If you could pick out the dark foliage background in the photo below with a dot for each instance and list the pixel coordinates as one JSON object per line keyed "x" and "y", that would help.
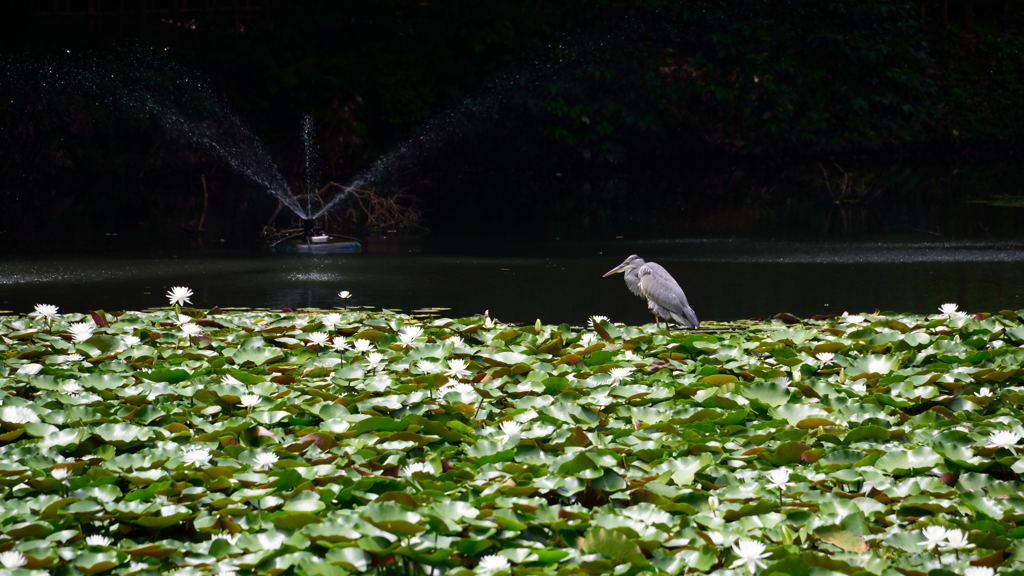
{"x": 583, "y": 118}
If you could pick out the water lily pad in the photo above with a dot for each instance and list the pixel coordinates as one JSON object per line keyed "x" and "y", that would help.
{"x": 349, "y": 557}
{"x": 767, "y": 393}
{"x": 172, "y": 376}
{"x": 842, "y": 539}
{"x": 615, "y": 545}
{"x": 96, "y": 562}
{"x": 921, "y": 458}
{"x": 392, "y": 518}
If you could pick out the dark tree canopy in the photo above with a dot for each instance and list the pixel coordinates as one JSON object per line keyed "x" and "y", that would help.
{"x": 497, "y": 88}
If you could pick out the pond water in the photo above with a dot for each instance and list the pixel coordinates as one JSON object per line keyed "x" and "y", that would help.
{"x": 556, "y": 282}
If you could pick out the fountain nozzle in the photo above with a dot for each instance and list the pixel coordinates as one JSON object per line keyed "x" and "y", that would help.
{"x": 307, "y": 230}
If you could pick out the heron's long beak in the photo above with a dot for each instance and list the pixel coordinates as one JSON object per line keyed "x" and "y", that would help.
{"x": 620, "y": 268}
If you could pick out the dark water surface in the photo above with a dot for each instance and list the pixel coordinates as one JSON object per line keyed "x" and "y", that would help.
{"x": 724, "y": 279}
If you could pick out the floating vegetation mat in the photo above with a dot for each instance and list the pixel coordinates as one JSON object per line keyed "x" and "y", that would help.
{"x": 187, "y": 441}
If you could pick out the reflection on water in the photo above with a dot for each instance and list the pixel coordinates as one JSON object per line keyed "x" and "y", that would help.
{"x": 557, "y": 283}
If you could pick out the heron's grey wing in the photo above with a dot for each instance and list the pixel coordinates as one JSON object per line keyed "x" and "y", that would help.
{"x": 664, "y": 292}
{"x": 689, "y": 317}
{"x": 632, "y": 276}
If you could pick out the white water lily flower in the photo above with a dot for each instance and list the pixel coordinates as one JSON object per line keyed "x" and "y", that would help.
{"x": 456, "y": 341}
{"x": 879, "y": 365}
{"x": 189, "y": 329}
{"x": 1004, "y": 439}
{"x": 12, "y": 559}
{"x": 619, "y": 374}
{"x": 949, "y": 310}
{"x": 45, "y": 311}
{"x": 229, "y": 380}
{"x": 74, "y": 357}
{"x": 196, "y": 455}
{"x": 362, "y": 345}
{"x": 956, "y": 539}
{"x": 18, "y": 415}
{"x": 426, "y": 366}
{"x": 344, "y": 294}
{"x": 597, "y": 319}
{"x": 331, "y": 320}
{"x": 587, "y": 338}
{"x": 97, "y": 540}
{"x": 979, "y": 571}
{"x": 852, "y": 318}
{"x": 229, "y": 537}
{"x": 60, "y": 473}
{"x": 985, "y": 392}
{"x": 825, "y": 357}
{"x": 510, "y": 427}
{"x": 750, "y": 553}
{"x": 130, "y": 341}
{"x": 339, "y": 343}
{"x": 182, "y": 319}
{"x": 492, "y": 563}
{"x": 72, "y": 388}
{"x": 318, "y": 338}
{"x": 264, "y": 460}
{"x": 374, "y": 358}
{"x": 80, "y": 331}
{"x": 457, "y": 368}
{"x": 416, "y": 467}
{"x": 249, "y": 400}
{"x": 779, "y": 478}
{"x": 179, "y": 295}
{"x": 414, "y": 331}
{"x": 934, "y": 536}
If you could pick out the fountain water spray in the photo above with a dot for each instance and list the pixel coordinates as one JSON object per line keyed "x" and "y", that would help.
{"x": 180, "y": 102}
{"x": 145, "y": 82}
{"x": 430, "y": 137}
{"x": 309, "y": 147}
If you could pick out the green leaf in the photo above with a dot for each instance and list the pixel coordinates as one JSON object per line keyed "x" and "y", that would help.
{"x": 96, "y": 562}
{"x": 901, "y": 461}
{"x": 104, "y": 381}
{"x": 305, "y": 502}
{"x": 172, "y": 376}
{"x": 767, "y": 393}
{"x": 380, "y": 424}
{"x": 254, "y": 350}
{"x": 333, "y": 531}
{"x": 99, "y": 345}
{"x": 349, "y": 557}
{"x": 843, "y": 539}
{"x": 685, "y": 468}
{"x": 391, "y": 518}
{"x": 615, "y": 545}
{"x": 868, "y": 433}
{"x": 123, "y": 434}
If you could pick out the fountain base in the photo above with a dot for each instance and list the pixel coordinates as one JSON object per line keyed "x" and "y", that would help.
{"x": 318, "y": 244}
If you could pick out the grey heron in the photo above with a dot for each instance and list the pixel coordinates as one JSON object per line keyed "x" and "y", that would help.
{"x": 665, "y": 299}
